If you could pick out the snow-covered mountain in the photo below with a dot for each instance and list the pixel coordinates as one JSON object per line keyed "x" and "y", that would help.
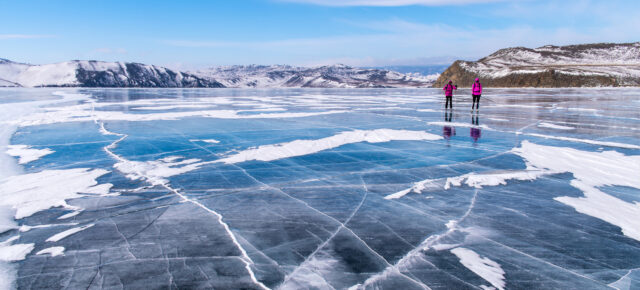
{"x": 602, "y": 64}
{"x": 120, "y": 74}
{"x": 97, "y": 74}
{"x": 335, "y": 76}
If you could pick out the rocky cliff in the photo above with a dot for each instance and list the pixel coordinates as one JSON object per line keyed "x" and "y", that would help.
{"x": 586, "y": 65}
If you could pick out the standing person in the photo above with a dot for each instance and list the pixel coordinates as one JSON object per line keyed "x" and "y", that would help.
{"x": 448, "y": 93}
{"x": 476, "y": 91}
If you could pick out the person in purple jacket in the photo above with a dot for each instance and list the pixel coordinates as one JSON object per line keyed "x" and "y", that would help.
{"x": 476, "y": 91}
{"x": 448, "y": 93}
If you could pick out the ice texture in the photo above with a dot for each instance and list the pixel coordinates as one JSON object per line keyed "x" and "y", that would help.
{"x": 328, "y": 189}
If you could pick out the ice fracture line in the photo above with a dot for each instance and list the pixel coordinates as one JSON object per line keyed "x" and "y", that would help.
{"x": 245, "y": 258}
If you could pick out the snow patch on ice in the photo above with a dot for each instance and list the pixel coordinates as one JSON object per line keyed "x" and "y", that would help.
{"x": 86, "y": 113}
{"x": 26, "y": 153}
{"x": 417, "y": 187}
{"x": 6, "y": 219}
{"x": 34, "y": 192}
{"x": 588, "y": 141}
{"x": 69, "y": 232}
{"x": 69, "y": 215}
{"x": 156, "y": 172}
{"x": 53, "y": 251}
{"x": 15, "y": 252}
{"x": 486, "y": 268}
{"x": 554, "y": 126}
{"x": 592, "y": 170}
{"x": 478, "y": 180}
{"x": 304, "y": 147}
{"x": 173, "y": 107}
{"x": 211, "y": 141}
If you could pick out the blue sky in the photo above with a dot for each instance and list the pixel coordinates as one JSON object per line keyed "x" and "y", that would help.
{"x": 196, "y": 34}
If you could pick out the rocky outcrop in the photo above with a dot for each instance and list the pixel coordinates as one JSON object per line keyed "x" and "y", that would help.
{"x": 587, "y": 65}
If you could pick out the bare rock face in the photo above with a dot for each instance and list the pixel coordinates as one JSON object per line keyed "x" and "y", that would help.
{"x": 587, "y": 65}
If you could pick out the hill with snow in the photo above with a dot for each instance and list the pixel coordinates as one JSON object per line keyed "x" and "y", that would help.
{"x": 585, "y": 65}
{"x": 97, "y": 74}
{"x": 335, "y": 76}
{"x": 122, "y": 74}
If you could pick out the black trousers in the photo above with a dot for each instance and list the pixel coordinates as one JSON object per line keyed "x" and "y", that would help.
{"x": 448, "y": 102}
{"x": 476, "y": 101}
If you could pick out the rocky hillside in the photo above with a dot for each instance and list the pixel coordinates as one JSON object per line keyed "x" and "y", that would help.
{"x": 335, "y": 76}
{"x": 97, "y": 74}
{"x": 586, "y": 65}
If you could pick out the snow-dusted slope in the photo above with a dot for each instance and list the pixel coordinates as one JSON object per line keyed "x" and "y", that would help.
{"x": 96, "y": 74}
{"x": 120, "y": 74}
{"x": 336, "y": 76}
{"x": 603, "y": 64}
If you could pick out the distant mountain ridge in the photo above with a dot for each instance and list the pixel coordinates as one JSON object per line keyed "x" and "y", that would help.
{"x": 334, "y": 76}
{"x": 585, "y": 65}
{"x": 79, "y": 73}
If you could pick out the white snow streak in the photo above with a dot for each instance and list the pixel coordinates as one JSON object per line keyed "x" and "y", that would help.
{"x": 305, "y": 147}
{"x": 588, "y": 141}
{"x": 554, "y": 126}
{"x": 62, "y": 235}
{"x": 53, "y": 251}
{"x": 483, "y": 267}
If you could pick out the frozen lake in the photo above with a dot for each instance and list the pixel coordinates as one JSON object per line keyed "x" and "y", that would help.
{"x": 322, "y": 189}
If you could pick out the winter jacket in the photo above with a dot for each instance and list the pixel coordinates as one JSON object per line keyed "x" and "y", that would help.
{"x": 476, "y": 89}
{"x": 448, "y": 90}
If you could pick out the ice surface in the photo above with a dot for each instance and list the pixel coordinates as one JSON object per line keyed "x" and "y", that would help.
{"x": 335, "y": 189}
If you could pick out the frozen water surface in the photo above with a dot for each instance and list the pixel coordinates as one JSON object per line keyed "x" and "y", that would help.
{"x": 324, "y": 189}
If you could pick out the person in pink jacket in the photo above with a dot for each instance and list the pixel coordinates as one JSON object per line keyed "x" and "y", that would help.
{"x": 476, "y": 91}
{"x": 448, "y": 93}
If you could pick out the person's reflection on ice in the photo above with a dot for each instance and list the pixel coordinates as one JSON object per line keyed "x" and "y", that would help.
{"x": 475, "y": 132}
{"x": 448, "y": 131}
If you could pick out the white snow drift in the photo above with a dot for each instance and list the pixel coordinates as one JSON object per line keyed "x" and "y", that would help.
{"x": 26, "y": 153}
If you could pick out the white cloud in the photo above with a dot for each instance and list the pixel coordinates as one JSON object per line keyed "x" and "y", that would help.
{"x": 25, "y": 36}
{"x": 399, "y": 42}
{"x": 389, "y": 2}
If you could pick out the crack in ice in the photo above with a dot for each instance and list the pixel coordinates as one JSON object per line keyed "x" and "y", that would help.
{"x": 245, "y": 258}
